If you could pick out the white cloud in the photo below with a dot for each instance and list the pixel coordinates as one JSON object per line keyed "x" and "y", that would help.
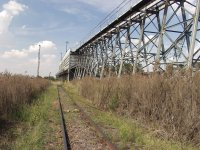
{"x": 52, "y": 56}
{"x": 71, "y": 10}
{"x": 45, "y": 46}
{"x": 13, "y": 8}
{"x": 9, "y": 11}
{"x": 14, "y": 54}
{"x": 5, "y": 20}
{"x": 33, "y": 61}
{"x": 49, "y": 59}
{"x": 19, "y": 61}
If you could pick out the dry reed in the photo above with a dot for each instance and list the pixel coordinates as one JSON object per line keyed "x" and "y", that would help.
{"x": 17, "y": 90}
{"x": 170, "y": 101}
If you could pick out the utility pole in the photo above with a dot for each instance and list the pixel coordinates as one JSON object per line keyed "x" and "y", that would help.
{"x": 38, "y": 69}
{"x": 66, "y": 45}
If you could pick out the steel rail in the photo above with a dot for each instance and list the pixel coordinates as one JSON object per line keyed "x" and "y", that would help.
{"x": 93, "y": 124}
{"x": 64, "y": 129}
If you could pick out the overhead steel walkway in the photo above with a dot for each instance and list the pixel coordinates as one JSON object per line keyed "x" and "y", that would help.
{"x": 145, "y": 36}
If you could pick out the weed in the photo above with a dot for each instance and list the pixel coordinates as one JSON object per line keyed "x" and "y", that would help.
{"x": 114, "y": 102}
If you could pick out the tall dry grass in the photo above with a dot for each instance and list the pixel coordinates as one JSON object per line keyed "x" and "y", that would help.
{"x": 170, "y": 101}
{"x": 17, "y": 90}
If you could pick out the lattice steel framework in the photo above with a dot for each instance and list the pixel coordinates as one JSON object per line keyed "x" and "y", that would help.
{"x": 146, "y": 38}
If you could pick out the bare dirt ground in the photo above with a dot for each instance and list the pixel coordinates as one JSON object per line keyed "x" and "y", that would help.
{"x": 81, "y": 134}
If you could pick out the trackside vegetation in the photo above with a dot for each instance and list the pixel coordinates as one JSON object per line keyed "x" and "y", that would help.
{"x": 17, "y": 91}
{"x": 42, "y": 124}
{"x": 168, "y": 103}
{"x": 29, "y": 117}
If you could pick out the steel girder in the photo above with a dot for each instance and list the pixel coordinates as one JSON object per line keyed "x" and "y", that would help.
{"x": 160, "y": 33}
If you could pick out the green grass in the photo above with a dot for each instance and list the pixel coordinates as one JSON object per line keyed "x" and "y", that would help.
{"x": 127, "y": 130}
{"x": 36, "y": 116}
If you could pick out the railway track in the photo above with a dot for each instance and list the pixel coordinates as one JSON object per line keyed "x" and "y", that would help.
{"x": 63, "y": 125}
{"x": 79, "y": 130}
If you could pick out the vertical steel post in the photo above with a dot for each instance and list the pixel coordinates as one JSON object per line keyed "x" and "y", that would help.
{"x": 160, "y": 28}
{"x": 142, "y": 24}
{"x": 89, "y": 65}
{"x": 82, "y": 66}
{"x": 113, "y": 53}
{"x": 120, "y": 49}
{"x": 75, "y": 73}
{"x": 85, "y": 63}
{"x": 68, "y": 75}
{"x": 194, "y": 33}
{"x": 110, "y": 63}
{"x": 103, "y": 61}
{"x": 79, "y": 67}
{"x": 104, "y": 51}
{"x": 78, "y": 70}
{"x": 130, "y": 44}
{"x": 122, "y": 55}
{"x": 97, "y": 58}
{"x": 185, "y": 24}
{"x": 162, "y": 32}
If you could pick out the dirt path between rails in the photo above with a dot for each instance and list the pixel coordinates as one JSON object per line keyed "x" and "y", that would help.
{"x": 81, "y": 134}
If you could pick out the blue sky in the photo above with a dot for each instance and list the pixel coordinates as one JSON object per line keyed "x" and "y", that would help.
{"x": 24, "y": 24}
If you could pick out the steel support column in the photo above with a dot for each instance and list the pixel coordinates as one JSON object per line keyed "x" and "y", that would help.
{"x": 162, "y": 32}
{"x": 135, "y": 67}
{"x": 194, "y": 33}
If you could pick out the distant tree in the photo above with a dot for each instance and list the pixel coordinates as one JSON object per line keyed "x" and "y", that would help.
{"x": 52, "y": 78}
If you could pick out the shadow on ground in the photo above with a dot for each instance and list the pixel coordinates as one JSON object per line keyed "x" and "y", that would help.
{"x": 6, "y": 133}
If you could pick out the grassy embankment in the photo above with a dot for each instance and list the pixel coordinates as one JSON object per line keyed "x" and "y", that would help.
{"x": 42, "y": 124}
{"x": 157, "y": 112}
{"x": 29, "y": 119}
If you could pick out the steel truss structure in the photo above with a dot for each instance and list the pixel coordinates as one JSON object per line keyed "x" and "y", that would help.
{"x": 147, "y": 37}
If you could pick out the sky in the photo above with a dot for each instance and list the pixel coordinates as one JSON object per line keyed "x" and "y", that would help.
{"x": 26, "y": 24}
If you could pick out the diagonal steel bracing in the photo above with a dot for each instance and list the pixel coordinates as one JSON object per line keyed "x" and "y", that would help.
{"x": 147, "y": 37}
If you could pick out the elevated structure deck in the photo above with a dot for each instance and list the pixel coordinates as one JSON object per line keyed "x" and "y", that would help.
{"x": 68, "y": 64}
